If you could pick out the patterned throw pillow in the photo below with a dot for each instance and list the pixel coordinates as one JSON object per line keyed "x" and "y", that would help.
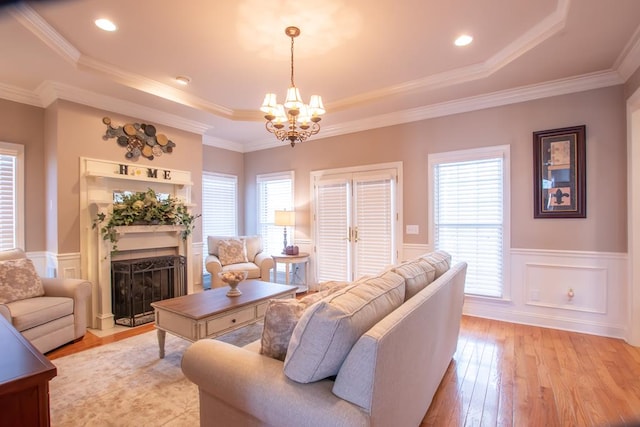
{"x": 281, "y": 318}
{"x": 19, "y": 280}
{"x": 327, "y": 330}
{"x": 232, "y": 251}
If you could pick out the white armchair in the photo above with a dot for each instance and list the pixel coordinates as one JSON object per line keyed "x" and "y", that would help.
{"x": 49, "y": 315}
{"x": 258, "y": 264}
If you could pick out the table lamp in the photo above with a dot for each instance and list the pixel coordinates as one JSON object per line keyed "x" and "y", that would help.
{"x": 286, "y": 219}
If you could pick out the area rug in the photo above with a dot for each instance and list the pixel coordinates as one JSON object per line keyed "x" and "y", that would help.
{"x": 127, "y": 384}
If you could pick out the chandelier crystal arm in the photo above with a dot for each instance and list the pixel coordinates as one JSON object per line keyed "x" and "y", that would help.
{"x": 302, "y": 119}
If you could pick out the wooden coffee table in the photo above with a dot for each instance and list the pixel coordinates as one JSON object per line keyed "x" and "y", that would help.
{"x": 209, "y": 314}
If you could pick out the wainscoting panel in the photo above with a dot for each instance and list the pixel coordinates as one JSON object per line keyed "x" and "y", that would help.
{"x": 540, "y": 286}
{"x": 566, "y": 287}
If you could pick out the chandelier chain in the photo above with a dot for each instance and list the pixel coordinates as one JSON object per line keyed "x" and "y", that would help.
{"x": 292, "y": 83}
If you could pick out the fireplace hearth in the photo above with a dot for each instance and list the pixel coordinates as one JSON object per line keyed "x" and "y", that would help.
{"x": 136, "y": 283}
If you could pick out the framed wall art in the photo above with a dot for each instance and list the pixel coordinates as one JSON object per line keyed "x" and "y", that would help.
{"x": 559, "y": 173}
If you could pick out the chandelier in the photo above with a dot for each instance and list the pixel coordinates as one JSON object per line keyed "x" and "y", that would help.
{"x": 294, "y": 120}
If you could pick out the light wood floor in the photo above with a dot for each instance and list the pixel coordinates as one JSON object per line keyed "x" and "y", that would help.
{"x": 505, "y": 374}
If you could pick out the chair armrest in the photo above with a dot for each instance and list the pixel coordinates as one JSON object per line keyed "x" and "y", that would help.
{"x": 254, "y": 384}
{"x": 214, "y": 266}
{"x": 265, "y": 263}
{"x": 79, "y": 290}
{"x": 5, "y": 312}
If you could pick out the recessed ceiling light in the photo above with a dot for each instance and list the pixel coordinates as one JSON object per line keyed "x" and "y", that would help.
{"x": 183, "y": 80}
{"x": 463, "y": 40}
{"x": 105, "y": 24}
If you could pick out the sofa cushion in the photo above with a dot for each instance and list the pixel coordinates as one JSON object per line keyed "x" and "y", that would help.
{"x": 440, "y": 260}
{"x": 32, "y": 312}
{"x": 19, "y": 280}
{"x": 417, "y": 275}
{"x": 327, "y": 330}
{"x": 232, "y": 251}
{"x": 253, "y": 271}
{"x": 281, "y": 318}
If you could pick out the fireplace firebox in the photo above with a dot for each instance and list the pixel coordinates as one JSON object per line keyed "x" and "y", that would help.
{"x": 136, "y": 283}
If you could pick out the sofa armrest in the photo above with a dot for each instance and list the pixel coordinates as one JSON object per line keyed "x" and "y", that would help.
{"x": 265, "y": 263}
{"x": 214, "y": 266}
{"x": 255, "y": 386}
{"x": 79, "y": 290}
{"x": 5, "y": 312}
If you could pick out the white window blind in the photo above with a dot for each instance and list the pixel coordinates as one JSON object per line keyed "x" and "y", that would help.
{"x": 468, "y": 218}
{"x": 219, "y": 205}
{"x": 11, "y": 196}
{"x": 275, "y": 192}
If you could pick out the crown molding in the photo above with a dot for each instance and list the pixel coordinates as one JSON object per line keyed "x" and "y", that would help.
{"x": 629, "y": 60}
{"x": 152, "y": 87}
{"x": 52, "y": 91}
{"x": 33, "y": 22}
{"x": 223, "y": 143}
{"x": 540, "y": 32}
{"x": 496, "y": 99}
{"x": 16, "y": 94}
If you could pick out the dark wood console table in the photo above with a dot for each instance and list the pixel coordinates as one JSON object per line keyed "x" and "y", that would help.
{"x": 24, "y": 380}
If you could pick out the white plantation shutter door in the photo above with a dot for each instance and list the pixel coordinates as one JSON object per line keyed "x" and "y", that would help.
{"x": 332, "y": 230}
{"x": 468, "y": 220}
{"x": 11, "y": 232}
{"x": 373, "y": 222}
{"x": 275, "y": 192}
{"x": 355, "y": 223}
{"x": 219, "y": 205}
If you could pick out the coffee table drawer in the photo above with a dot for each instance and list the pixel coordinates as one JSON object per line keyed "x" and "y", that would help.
{"x": 230, "y": 320}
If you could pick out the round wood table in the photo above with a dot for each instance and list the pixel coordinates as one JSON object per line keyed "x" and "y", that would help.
{"x": 287, "y": 260}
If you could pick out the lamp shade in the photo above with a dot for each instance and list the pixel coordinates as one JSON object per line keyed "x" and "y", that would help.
{"x": 285, "y": 218}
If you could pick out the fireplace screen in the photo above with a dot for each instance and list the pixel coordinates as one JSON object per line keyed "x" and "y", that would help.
{"x": 137, "y": 283}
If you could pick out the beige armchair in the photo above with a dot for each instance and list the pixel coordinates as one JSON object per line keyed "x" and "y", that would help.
{"x": 48, "y": 315}
{"x": 258, "y": 264}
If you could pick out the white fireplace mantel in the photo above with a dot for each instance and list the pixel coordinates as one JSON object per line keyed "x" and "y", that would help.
{"x": 99, "y": 179}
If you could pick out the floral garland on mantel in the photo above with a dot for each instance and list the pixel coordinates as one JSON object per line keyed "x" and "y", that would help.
{"x": 144, "y": 208}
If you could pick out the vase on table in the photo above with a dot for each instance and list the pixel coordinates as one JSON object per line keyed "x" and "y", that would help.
{"x": 233, "y": 279}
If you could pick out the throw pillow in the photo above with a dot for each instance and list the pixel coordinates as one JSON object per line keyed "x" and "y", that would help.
{"x": 232, "y": 251}
{"x": 282, "y": 316}
{"x": 19, "y": 280}
{"x": 327, "y": 330}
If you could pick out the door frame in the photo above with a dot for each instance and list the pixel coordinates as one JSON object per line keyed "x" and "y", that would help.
{"x": 314, "y": 175}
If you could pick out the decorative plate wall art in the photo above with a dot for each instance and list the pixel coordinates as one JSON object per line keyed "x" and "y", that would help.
{"x": 140, "y": 139}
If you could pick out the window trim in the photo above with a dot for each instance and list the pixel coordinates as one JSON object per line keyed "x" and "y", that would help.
{"x": 503, "y": 151}
{"x": 17, "y": 150}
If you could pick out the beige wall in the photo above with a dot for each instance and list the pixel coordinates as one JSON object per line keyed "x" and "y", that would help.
{"x": 24, "y": 124}
{"x": 602, "y": 111}
{"x": 231, "y": 163}
{"x": 79, "y": 134}
{"x": 55, "y": 140}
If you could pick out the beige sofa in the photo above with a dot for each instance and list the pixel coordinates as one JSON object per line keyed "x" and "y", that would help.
{"x": 49, "y": 315}
{"x": 257, "y": 264}
{"x": 388, "y": 377}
